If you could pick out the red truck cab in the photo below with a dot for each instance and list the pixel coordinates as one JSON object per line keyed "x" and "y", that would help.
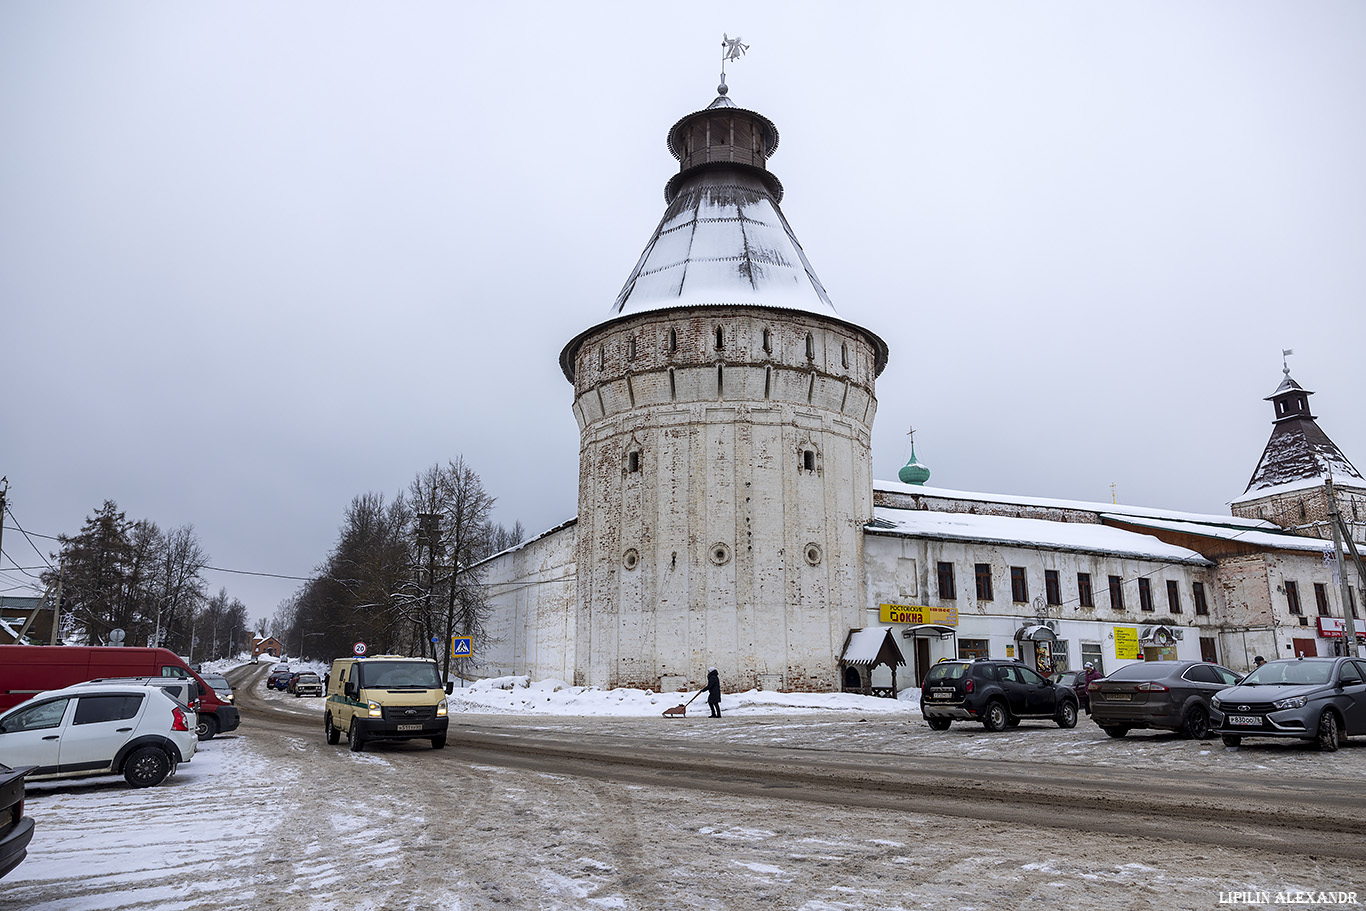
{"x": 26, "y": 670}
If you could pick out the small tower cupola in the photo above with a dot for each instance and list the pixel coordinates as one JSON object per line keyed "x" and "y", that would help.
{"x": 913, "y": 472}
{"x": 1290, "y": 399}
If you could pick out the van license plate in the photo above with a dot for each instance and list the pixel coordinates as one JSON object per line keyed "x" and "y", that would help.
{"x": 1246, "y": 720}
{"x": 410, "y": 727}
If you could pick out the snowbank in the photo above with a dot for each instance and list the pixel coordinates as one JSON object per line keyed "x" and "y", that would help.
{"x": 522, "y": 696}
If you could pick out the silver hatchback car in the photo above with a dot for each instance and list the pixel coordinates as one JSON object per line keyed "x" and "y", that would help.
{"x": 1315, "y": 699}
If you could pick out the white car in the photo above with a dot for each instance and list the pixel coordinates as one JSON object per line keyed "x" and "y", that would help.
{"x": 139, "y": 732}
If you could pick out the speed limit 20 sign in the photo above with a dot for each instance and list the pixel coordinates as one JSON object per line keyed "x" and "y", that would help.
{"x": 358, "y": 648}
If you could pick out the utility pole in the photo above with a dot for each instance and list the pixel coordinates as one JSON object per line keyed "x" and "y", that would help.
{"x": 4, "y": 489}
{"x": 1349, "y": 626}
{"x": 57, "y": 605}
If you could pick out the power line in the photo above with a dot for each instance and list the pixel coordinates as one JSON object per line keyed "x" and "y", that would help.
{"x": 29, "y": 539}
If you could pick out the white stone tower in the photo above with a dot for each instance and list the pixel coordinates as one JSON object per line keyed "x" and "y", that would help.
{"x": 725, "y": 414}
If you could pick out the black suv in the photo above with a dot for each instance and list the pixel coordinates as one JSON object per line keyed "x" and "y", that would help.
{"x": 996, "y": 693}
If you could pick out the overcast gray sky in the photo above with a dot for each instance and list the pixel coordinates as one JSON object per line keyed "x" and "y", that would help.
{"x": 258, "y": 258}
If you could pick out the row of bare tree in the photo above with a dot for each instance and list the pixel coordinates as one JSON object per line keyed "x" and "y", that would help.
{"x": 403, "y": 576}
{"x": 117, "y": 573}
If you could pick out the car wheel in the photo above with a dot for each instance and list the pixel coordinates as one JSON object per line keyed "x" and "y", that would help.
{"x": 1196, "y": 723}
{"x": 1115, "y": 730}
{"x": 939, "y": 724}
{"x": 146, "y": 767}
{"x": 1328, "y": 732}
{"x": 207, "y": 727}
{"x": 354, "y": 738}
{"x": 439, "y": 741}
{"x": 1066, "y": 716}
{"x": 996, "y": 717}
{"x": 1232, "y": 740}
{"x": 333, "y": 735}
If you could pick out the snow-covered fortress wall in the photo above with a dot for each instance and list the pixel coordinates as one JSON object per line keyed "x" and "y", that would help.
{"x": 532, "y": 598}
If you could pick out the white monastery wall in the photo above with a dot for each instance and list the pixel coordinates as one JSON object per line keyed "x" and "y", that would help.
{"x": 532, "y": 596}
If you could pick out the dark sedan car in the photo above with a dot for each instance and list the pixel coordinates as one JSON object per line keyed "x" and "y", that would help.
{"x": 1316, "y": 699}
{"x": 1172, "y": 695}
{"x": 16, "y": 829}
{"x": 279, "y": 679}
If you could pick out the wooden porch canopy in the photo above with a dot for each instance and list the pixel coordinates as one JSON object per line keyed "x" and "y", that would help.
{"x": 865, "y": 649}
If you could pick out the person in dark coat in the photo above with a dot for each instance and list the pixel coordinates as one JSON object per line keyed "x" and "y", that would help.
{"x": 1084, "y": 685}
{"x": 714, "y": 692}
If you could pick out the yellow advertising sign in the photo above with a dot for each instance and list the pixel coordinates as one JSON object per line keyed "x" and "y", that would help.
{"x": 1126, "y": 642}
{"x": 915, "y": 614}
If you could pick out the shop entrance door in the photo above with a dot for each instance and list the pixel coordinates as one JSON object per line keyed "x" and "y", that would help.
{"x": 922, "y": 659}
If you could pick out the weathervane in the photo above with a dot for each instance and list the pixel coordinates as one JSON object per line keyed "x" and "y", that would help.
{"x": 1285, "y": 365}
{"x": 732, "y": 49}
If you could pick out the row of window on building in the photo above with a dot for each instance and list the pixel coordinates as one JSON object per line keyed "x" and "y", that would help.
{"x": 1292, "y": 598}
{"x": 1019, "y": 591}
{"x": 1052, "y": 586}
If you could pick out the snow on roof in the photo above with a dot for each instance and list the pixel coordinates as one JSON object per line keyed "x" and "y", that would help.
{"x": 864, "y": 645}
{"x": 1300, "y": 484}
{"x": 1080, "y": 505}
{"x": 1257, "y": 538}
{"x": 1078, "y": 537}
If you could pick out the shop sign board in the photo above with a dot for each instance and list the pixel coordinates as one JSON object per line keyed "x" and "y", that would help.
{"x": 917, "y": 615}
{"x": 1334, "y": 627}
{"x": 1126, "y": 642}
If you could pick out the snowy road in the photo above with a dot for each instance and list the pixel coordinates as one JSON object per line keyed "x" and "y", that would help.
{"x": 809, "y": 812}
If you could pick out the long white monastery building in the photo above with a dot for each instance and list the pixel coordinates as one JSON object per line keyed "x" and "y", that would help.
{"x": 728, "y": 515}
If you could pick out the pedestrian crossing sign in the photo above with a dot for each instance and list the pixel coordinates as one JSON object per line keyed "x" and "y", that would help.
{"x": 461, "y": 647}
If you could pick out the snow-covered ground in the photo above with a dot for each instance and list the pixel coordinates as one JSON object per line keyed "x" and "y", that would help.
{"x": 264, "y": 820}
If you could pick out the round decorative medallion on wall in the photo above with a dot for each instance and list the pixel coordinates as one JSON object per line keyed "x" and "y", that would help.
{"x": 720, "y": 554}
{"x": 630, "y": 559}
{"x": 812, "y": 553}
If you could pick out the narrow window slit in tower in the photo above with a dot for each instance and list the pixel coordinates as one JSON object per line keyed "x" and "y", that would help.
{"x": 810, "y": 347}
{"x": 673, "y": 340}
{"x": 844, "y": 355}
{"x": 768, "y": 381}
{"x": 811, "y": 389}
{"x": 720, "y": 339}
{"x": 673, "y": 390}
{"x": 768, "y": 343}
{"x": 720, "y": 381}
{"x": 631, "y": 391}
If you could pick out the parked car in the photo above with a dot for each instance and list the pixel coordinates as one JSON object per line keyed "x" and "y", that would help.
{"x": 29, "y": 669}
{"x": 1315, "y": 699}
{"x": 220, "y": 685}
{"x": 306, "y": 683}
{"x": 279, "y": 678}
{"x": 1171, "y": 695}
{"x": 16, "y": 829}
{"x": 139, "y": 732}
{"x": 995, "y": 692}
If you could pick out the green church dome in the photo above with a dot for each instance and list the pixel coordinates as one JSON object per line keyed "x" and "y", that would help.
{"x": 913, "y": 472}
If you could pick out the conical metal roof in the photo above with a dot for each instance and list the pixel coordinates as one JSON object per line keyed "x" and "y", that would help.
{"x": 723, "y": 240}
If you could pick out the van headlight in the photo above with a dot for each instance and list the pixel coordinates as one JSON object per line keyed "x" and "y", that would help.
{"x": 441, "y": 709}
{"x": 1294, "y": 702}
{"x": 376, "y": 710}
